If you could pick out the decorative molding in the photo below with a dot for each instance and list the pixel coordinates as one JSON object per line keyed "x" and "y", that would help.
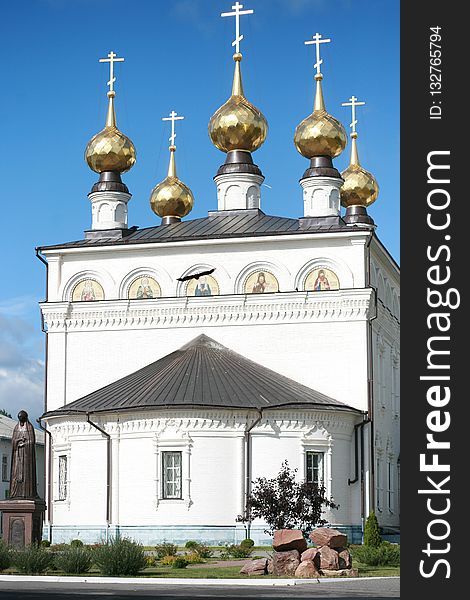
{"x": 242, "y": 309}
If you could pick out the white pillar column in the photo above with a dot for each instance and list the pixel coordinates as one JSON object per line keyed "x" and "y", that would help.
{"x": 238, "y": 191}
{"x": 321, "y": 196}
{"x": 109, "y": 209}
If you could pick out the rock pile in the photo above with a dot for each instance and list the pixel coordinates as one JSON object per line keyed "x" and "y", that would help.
{"x": 291, "y": 558}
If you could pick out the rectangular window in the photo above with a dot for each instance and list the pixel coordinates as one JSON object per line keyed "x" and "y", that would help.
{"x": 63, "y": 477}
{"x": 378, "y": 479}
{"x": 4, "y": 467}
{"x": 390, "y": 490}
{"x": 314, "y": 467}
{"x": 172, "y": 474}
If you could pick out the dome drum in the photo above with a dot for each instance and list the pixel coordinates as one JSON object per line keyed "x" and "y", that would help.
{"x": 239, "y": 161}
{"x": 321, "y": 166}
{"x": 110, "y": 181}
{"x": 357, "y": 214}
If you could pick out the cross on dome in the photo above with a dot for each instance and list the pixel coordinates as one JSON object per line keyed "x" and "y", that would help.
{"x": 353, "y": 102}
{"x": 173, "y": 118}
{"x": 317, "y": 40}
{"x": 237, "y": 14}
{"x": 112, "y": 58}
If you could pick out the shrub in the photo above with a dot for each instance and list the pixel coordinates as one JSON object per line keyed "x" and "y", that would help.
{"x": 73, "y": 560}
{"x": 193, "y": 558}
{"x": 33, "y": 560}
{"x": 45, "y": 543}
{"x": 201, "y": 549}
{"x": 5, "y": 556}
{"x": 247, "y": 543}
{"x": 120, "y": 556}
{"x": 165, "y": 549}
{"x": 149, "y": 560}
{"x": 385, "y": 555}
{"x": 235, "y": 551}
{"x": 191, "y": 545}
{"x": 372, "y": 531}
{"x": 76, "y": 543}
{"x": 167, "y": 560}
{"x": 179, "y": 562}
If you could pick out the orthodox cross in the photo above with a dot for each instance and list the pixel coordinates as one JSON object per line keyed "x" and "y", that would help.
{"x": 173, "y": 117}
{"x": 353, "y": 102}
{"x": 237, "y": 14}
{"x": 112, "y": 58}
{"x": 316, "y": 39}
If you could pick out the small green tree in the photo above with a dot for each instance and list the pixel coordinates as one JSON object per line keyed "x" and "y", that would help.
{"x": 284, "y": 503}
{"x": 372, "y": 531}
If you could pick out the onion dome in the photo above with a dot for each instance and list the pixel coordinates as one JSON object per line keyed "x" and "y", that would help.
{"x": 237, "y": 124}
{"x": 110, "y": 149}
{"x": 320, "y": 134}
{"x": 360, "y": 187}
{"x": 171, "y": 199}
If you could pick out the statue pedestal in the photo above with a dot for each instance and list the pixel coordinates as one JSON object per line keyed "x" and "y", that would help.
{"x": 22, "y": 521}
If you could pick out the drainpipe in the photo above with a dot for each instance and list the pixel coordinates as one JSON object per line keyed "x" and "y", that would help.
{"x": 108, "y": 472}
{"x": 248, "y": 463}
{"x": 48, "y": 454}
{"x": 370, "y": 377}
{"x": 360, "y": 472}
{"x": 48, "y": 463}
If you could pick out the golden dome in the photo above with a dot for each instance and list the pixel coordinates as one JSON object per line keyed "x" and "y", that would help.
{"x": 110, "y": 149}
{"x": 237, "y": 124}
{"x": 360, "y": 187}
{"x": 320, "y": 134}
{"x": 171, "y": 197}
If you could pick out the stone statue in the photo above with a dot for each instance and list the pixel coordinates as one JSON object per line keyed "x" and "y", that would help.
{"x": 23, "y": 460}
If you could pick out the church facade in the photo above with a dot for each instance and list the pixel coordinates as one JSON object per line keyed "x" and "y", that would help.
{"x": 187, "y": 359}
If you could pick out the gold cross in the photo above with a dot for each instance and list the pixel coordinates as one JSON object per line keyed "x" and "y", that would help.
{"x": 112, "y": 58}
{"x": 353, "y": 102}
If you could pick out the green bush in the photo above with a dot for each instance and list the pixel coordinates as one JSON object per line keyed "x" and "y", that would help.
{"x": 119, "y": 556}
{"x": 385, "y": 555}
{"x": 201, "y": 549}
{"x": 45, "y": 543}
{"x": 5, "y": 556}
{"x": 235, "y": 551}
{"x": 179, "y": 562}
{"x": 191, "y": 545}
{"x": 73, "y": 560}
{"x": 165, "y": 549}
{"x": 247, "y": 543}
{"x": 76, "y": 543}
{"x": 193, "y": 558}
{"x": 372, "y": 531}
{"x": 33, "y": 560}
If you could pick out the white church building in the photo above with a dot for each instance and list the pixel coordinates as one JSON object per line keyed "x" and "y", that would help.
{"x": 187, "y": 359}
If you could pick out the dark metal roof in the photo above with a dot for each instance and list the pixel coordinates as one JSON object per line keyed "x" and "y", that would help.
{"x": 218, "y": 225}
{"x": 201, "y": 373}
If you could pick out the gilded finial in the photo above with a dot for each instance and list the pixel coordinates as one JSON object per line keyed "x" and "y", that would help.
{"x": 110, "y": 149}
{"x": 171, "y": 199}
{"x": 320, "y": 134}
{"x": 360, "y": 187}
{"x": 238, "y": 124}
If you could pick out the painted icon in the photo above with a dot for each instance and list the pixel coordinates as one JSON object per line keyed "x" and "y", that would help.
{"x": 320, "y": 280}
{"x": 261, "y": 282}
{"x": 144, "y": 288}
{"x": 87, "y": 291}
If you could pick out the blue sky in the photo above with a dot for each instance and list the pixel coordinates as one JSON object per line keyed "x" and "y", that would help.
{"x": 178, "y": 56}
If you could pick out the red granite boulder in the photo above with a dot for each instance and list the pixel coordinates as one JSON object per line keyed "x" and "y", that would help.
{"x": 312, "y": 554}
{"x": 286, "y": 563}
{"x": 259, "y": 566}
{"x": 306, "y": 570}
{"x": 289, "y": 539}
{"x": 345, "y": 560}
{"x": 329, "y": 559}
{"x": 324, "y": 536}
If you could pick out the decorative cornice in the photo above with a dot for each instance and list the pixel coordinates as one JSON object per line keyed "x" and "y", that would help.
{"x": 241, "y": 309}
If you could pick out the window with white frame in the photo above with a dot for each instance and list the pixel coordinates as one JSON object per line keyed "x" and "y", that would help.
{"x": 4, "y": 467}
{"x": 314, "y": 467}
{"x": 378, "y": 484}
{"x": 390, "y": 487}
{"x": 172, "y": 475}
{"x": 63, "y": 475}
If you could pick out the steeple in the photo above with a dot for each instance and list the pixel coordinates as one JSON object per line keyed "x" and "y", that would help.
{"x": 360, "y": 188}
{"x": 171, "y": 199}
{"x": 238, "y": 128}
{"x": 109, "y": 153}
{"x": 320, "y": 138}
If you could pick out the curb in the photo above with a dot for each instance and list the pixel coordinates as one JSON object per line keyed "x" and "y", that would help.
{"x": 182, "y": 581}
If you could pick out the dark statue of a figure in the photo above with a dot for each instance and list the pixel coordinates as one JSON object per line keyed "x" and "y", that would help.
{"x": 23, "y": 482}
